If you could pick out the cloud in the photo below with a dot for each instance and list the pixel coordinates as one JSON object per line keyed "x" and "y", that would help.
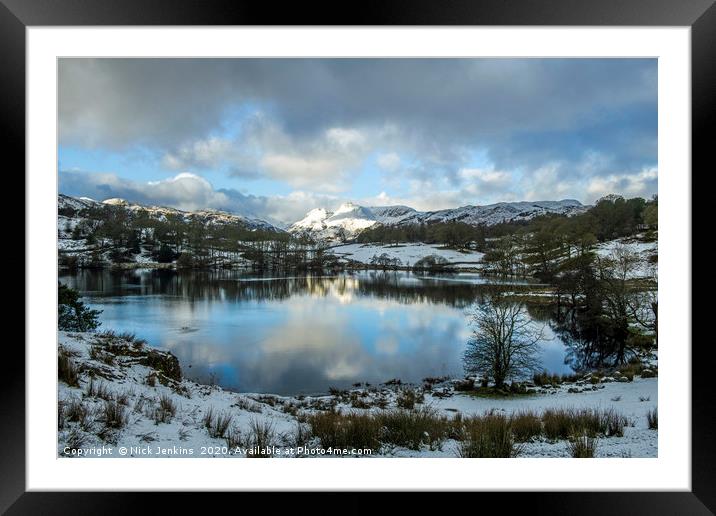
{"x": 313, "y": 124}
{"x": 321, "y": 164}
{"x": 389, "y": 162}
{"x": 186, "y": 191}
{"x": 641, "y": 184}
{"x": 485, "y": 181}
{"x": 264, "y": 149}
{"x": 550, "y": 183}
{"x": 209, "y": 153}
{"x": 172, "y": 101}
{"x": 422, "y": 196}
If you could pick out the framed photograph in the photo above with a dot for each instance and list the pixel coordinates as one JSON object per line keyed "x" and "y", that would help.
{"x": 418, "y": 249}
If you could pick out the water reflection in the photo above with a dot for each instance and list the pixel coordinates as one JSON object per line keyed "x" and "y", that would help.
{"x": 297, "y": 334}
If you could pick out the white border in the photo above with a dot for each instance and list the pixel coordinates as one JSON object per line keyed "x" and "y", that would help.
{"x": 671, "y": 470}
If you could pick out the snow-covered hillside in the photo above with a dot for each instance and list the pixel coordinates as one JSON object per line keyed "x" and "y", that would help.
{"x": 77, "y": 207}
{"x": 350, "y": 219}
{"x": 81, "y": 244}
{"x": 505, "y": 212}
{"x": 408, "y": 254}
{"x": 129, "y": 400}
{"x": 644, "y": 253}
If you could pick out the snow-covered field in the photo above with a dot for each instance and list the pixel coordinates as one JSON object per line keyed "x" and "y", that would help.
{"x": 150, "y": 429}
{"x": 638, "y": 441}
{"x": 643, "y": 251}
{"x": 408, "y": 254}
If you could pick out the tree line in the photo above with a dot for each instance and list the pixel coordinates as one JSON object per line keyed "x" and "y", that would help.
{"x": 612, "y": 217}
{"x": 192, "y": 241}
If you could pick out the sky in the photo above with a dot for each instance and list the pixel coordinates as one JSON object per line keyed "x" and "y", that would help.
{"x": 275, "y": 138}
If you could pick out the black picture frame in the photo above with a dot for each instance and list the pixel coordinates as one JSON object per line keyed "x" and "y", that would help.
{"x": 700, "y": 15}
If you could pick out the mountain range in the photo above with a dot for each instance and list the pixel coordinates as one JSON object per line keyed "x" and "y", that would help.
{"x": 349, "y": 219}
{"x": 68, "y": 206}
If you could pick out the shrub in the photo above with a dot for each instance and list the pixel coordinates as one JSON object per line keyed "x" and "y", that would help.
{"x": 165, "y": 254}
{"x": 183, "y": 434}
{"x": 61, "y": 419}
{"x": 76, "y": 411}
{"x": 165, "y": 411}
{"x": 163, "y": 362}
{"x": 114, "y": 415}
{"x": 518, "y": 388}
{"x": 75, "y": 440}
{"x": 351, "y": 430}
{"x": 614, "y": 423}
{"x": 413, "y": 428}
{"x": 217, "y": 424}
{"x": 301, "y": 435}
{"x": 119, "y": 343}
{"x": 648, "y": 373}
{"x": 540, "y": 379}
{"x": 563, "y": 423}
{"x": 489, "y": 436}
{"x": 66, "y": 368}
{"x": 123, "y": 398}
{"x": 98, "y": 390}
{"x": 185, "y": 261}
{"x": 582, "y": 447}
{"x": 566, "y": 423}
{"x": 407, "y": 398}
{"x": 245, "y": 404}
{"x": 233, "y": 439}
{"x": 96, "y": 353}
{"x": 148, "y": 437}
{"x": 261, "y": 436}
{"x": 525, "y": 425}
{"x": 359, "y": 403}
{"x": 652, "y": 417}
{"x": 544, "y": 378}
{"x": 433, "y": 263}
{"x": 464, "y": 385}
{"x": 68, "y": 261}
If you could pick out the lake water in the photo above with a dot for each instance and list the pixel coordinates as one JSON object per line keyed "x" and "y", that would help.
{"x": 297, "y": 334}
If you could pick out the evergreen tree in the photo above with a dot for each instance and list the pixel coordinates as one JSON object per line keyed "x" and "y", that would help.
{"x": 72, "y": 314}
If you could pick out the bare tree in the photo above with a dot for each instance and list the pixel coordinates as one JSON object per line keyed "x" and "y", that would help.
{"x": 505, "y": 340}
{"x": 615, "y": 272}
{"x": 644, "y": 303}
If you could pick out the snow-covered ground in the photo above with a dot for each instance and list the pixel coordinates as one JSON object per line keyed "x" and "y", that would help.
{"x": 643, "y": 251}
{"x": 408, "y": 254}
{"x": 625, "y": 398}
{"x": 123, "y": 378}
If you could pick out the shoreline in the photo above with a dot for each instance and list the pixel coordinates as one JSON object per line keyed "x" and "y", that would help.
{"x": 349, "y": 267}
{"x": 157, "y": 406}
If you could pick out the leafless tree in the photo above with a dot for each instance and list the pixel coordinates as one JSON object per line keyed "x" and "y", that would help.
{"x": 644, "y": 303}
{"x": 624, "y": 303}
{"x": 505, "y": 341}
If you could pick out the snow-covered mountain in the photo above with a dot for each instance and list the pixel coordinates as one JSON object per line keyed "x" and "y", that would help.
{"x": 347, "y": 221}
{"x": 350, "y": 219}
{"x": 491, "y": 214}
{"x": 73, "y": 207}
